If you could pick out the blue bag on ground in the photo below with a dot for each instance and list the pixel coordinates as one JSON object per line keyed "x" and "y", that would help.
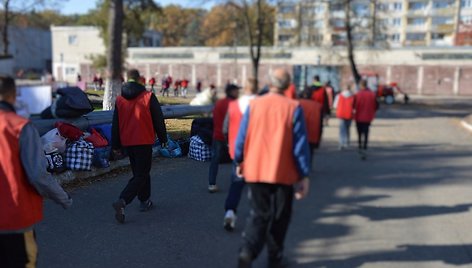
{"x": 173, "y": 149}
{"x": 101, "y": 157}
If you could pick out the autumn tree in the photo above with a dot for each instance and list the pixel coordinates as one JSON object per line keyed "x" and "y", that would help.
{"x": 10, "y": 9}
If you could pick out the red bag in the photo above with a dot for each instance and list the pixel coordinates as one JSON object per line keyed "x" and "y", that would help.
{"x": 69, "y": 131}
{"x": 96, "y": 139}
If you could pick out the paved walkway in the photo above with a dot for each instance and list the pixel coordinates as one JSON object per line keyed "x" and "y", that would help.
{"x": 408, "y": 205}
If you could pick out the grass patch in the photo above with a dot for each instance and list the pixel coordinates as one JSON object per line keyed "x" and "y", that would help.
{"x": 173, "y": 100}
{"x": 179, "y": 128}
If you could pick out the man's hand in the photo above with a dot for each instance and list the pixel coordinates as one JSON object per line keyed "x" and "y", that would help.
{"x": 239, "y": 171}
{"x": 302, "y": 188}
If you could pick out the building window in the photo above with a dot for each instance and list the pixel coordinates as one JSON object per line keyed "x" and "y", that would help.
{"x": 287, "y": 24}
{"x": 395, "y": 38}
{"x": 418, "y": 6}
{"x": 466, "y": 19}
{"x": 317, "y": 38}
{"x": 466, "y": 3}
{"x": 287, "y": 9}
{"x": 318, "y": 24}
{"x": 319, "y": 9}
{"x": 415, "y": 36}
{"x": 396, "y": 21}
{"x": 397, "y": 6}
{"x": 442, "y": 20}
{"x": 284, "y": 38}
{"x": 438, "y": 36}
{"x": 70, "y": 71}
{"x": 382, "y": 7}
{"x": 72, "y": 39}
{"x": 337, "y": 23}
{"x": 417, "y": 21}
{"x": 442, "y": 4}
{"x": 360, "y": 9}
{"x": 337, "y": 7}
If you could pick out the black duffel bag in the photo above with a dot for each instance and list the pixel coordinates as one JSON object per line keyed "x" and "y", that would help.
{"x": 71, "y": 102}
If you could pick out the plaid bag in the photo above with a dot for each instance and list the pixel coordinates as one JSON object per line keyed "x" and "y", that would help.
{"x": 79, "y": 155}
{"x": 199, "y": 150}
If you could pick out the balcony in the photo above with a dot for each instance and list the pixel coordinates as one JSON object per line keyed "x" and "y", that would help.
{"x": 449, "y": 11}
{"x": 416, "y": 28}
{"x": 443, "y": 28}
{"x": 415, "y": 43}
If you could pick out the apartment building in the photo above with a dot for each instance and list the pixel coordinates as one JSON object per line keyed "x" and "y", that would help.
{"x": 379, "y": 23}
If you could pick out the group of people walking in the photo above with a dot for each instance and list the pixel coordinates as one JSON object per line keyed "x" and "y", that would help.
{"x": 271, "y": 140}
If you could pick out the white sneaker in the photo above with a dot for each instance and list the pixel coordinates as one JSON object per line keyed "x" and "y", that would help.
{"x": 212, "y": 188}
{"x": 230, "y": 220}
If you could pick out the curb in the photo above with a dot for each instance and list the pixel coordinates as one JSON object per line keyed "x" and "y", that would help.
{"x": 69, "y": 175}
{"x": 466, "y": 125}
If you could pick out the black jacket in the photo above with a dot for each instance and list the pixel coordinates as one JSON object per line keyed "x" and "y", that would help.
{"x": 130, "y": 91}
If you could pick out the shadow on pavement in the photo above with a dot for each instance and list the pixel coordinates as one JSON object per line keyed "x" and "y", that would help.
{"x": 449, "y": 254}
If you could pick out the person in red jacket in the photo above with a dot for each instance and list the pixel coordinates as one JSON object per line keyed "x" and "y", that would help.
{"x": 344, "y": 104}
{"x": 232, "y": 121}
{"x": 152, "y": 83}
{"x": 219, "y": 140}
{"x": 184, "y": 86}
{"x": 312, "y": 111}
{"x": 365, "y": 107}
{"x": 24, "y": 181}
{"x": 272, "y": 145}
{"x": 291, "y": 92}
{"x": 136, "y": 121}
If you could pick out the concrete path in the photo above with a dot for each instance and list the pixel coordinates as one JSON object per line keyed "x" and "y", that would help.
{"x": 408, "y": 205}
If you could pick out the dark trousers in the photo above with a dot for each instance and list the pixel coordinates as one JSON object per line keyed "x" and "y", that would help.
{"x": 363, "y": 134}
{"x": 18, "y": 250}
{"x": 235, "y": 191}
{"x": 140, "y": 158}
{"x": 217, "y": 150}
{"x": 271, "y": 209}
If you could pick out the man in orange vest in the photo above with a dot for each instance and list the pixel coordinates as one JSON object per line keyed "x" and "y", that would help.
{"x": 365, "y": 106}
{"x": 231, "y": 124}
{"x": 344, "y": 104}
{"x": 24, "y": 182}
{"x": 272, "y": 142}
{"x": 136, "y": 121}
{"x": 312, "y": 111}
{"x": 219, "y": 140}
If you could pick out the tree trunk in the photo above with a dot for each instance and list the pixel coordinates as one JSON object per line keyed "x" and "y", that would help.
{"x": 6, "y": 22}
{"x": 114, "y": 57}
{"x": 374, "y": 22}
{"x": 350, "y": 45}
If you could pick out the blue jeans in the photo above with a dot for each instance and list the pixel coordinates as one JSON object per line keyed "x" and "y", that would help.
{"x": 235, "y": 191}
{"x": 344, "y": 129}
{"x": 217, "y": 150}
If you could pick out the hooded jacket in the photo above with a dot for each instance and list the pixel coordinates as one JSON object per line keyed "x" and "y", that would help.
{"x": 137, "y": 114}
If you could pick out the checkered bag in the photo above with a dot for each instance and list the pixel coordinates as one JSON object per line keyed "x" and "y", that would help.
{"x": 79, "y": 155}
{"x": 199, "y": 150}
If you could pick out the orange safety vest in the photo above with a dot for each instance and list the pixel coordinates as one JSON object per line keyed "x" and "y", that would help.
{"x": 345, "y": 107}
{"x": 135, "y": 120}
{"x": 365, "y": 106}
{"x": 268, "y": 149}
{"x": 21, "y": 206}
{"x": 312, "y": 113}
{"x": 319, "y": 95}
{"x": 291, "y": 92}
{"x": 235, "y": 118}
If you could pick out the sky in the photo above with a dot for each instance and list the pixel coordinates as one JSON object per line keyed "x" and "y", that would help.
{"x": 82, "y": 6}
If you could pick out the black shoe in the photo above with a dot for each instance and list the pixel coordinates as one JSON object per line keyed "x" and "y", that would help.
{"x": 119, "y": 207}
{"x": 146, "y": 205}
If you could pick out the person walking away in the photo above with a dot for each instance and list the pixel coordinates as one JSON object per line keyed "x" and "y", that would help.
{"x": 365, "y": 107}
{"x": 318, "y": 94}
{"x": 152, "y": 83}
{"x": 272, "y": 145}
{"x": 313, "y": 120}
{"x": 219, "y": 139}
{"x": 23, "y": 184}
{"x": 344, "y": 105}
{"x": 184, "y": 86}
{"x": 136, "y": 121}
{"x": 176, "y": 87}
{"x": 330, "y": 96}
{"x": 232, "y": 121}
{"x": 199, "y": 86}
